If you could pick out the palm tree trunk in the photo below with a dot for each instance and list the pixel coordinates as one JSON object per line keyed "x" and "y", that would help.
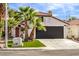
{"x": 9, "y": 32}
{"x": 26, "y": 32}
{"x": 32, "y": 34}
{"x": 0, "y": 33}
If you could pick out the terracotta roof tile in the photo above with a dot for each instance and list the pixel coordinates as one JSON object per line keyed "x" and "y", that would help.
{"x": 74, "y": 22}
{"x": 48, "y": 15}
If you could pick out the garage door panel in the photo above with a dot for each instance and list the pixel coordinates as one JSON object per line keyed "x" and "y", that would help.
{"x": 52, "y": 32}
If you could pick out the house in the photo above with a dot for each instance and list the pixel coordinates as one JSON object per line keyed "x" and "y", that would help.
{"x": 74, "y": 28}
{"x": 55, "y": 27}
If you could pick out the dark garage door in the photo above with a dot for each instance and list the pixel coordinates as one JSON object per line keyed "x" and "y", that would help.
{"x": 52, "y": 32}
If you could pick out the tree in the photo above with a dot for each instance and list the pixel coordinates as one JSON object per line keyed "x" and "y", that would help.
{"x": 1, "y": 27}
{"x": 13, "y": 19}
{"x": 26, "y": 13}
{"x": 29, "y": 15}
{"x": 2, "y": 14}
{"x": 72, "y": 18}
{"x": 36, "y": 23}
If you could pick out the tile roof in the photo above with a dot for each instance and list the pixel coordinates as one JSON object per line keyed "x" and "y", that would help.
{"x": 74, "y": 22}
{"x": 48, "y": 15}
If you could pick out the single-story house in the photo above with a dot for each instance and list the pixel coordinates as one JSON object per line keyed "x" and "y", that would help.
{"x": 74, "y": 28}
{"x": 55, "y": 27}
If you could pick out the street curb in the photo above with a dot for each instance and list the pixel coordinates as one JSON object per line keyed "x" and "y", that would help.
{"x": 30, "y": 49}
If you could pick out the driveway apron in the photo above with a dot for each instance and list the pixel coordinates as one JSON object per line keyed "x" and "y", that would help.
{"x": 60, "y": 43}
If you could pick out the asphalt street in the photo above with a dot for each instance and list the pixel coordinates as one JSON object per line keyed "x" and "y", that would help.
{"x": 40, "y": 52}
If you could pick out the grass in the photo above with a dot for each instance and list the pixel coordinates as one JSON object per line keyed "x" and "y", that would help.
{"x": 34, "y": 43}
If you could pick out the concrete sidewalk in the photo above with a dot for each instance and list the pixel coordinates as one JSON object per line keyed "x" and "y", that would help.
{"x": 60, "y": 43}
{"x": 42, "y": 52}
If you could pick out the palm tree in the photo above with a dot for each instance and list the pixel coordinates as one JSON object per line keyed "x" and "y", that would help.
{"x": 26, "y": 13}
{"x": 1, "y": 27}
{"x": 36, "y": 23}
{"x": 2, "y": 14}
{"x": 13, "y": 19}
{"x": 29, "y": 15}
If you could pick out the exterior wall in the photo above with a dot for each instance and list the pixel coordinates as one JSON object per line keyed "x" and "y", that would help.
{"x": 49, "y": 21}
{"x": 78, "y": 31}
{"x": 74, "y": 31}
{"x": 66, "y": 30}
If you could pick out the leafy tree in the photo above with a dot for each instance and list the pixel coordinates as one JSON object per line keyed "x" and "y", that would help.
{"x": 72, "y": 18}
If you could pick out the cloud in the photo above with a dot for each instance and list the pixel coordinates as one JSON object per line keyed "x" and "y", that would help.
{"x": 67, "y": 9}
{"x": 58, "y": 9}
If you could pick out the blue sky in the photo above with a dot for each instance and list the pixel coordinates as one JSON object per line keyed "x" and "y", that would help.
{"x": 60, "y": 10}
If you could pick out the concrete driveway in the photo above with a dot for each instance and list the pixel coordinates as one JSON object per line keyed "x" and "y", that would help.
{"x": 60, "y": 43}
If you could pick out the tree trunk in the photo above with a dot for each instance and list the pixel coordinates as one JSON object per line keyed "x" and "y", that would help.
{"x": 26, "y": 32}
{"x": 9, "y": 32}
{"x": 13, "y": 33}
{"x": 0, "y": 33}
{"x": 32, "y": 34}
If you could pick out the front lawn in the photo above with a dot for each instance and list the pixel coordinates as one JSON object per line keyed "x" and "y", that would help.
{"x": 35, "y": 43}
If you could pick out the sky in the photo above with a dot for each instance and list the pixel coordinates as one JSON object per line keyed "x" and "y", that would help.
{"x": 60, "y": 10}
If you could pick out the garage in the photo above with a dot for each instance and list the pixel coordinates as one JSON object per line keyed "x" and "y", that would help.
{"x": 52, "y": 32}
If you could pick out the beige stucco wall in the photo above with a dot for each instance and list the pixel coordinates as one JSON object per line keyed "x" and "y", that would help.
{"x": 49, "y": 21}
{"x": 74, "y": 31}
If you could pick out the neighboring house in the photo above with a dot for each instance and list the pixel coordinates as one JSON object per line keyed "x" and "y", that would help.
{"x": 55, "y": 28}
{"x": 74, "y": 28}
